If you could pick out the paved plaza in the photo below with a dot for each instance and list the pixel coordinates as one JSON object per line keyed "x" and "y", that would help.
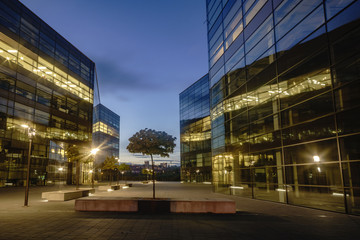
{"x": 254, "y": 219}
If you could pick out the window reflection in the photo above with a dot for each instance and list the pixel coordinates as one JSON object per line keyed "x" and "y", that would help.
{"x": 45, "y": 70}
{"x": 103, "y": 127}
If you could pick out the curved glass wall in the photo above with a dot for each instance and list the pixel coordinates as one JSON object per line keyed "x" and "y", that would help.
{"x": 284, "y": 102}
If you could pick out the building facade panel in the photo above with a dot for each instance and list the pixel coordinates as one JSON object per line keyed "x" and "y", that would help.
{"x": 106, "y": 133}
{"x": 195, "y": 132}
{"x": 46, "y": 83}
{"x": 284, "y": 90}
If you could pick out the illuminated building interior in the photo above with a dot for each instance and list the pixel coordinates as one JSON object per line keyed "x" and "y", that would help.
{"x": 106, "y": 133}
{"x": 47, "y": 84}
{"x": 195, "y": 132}
{"x": 19, "y": 55}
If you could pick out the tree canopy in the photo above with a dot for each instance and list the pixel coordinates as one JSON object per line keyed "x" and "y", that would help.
{"x": 152, "y": 142}
{"x": 109, "y": 163}
{"x": 72, "y": 153}
{"x": 124, "y": 167}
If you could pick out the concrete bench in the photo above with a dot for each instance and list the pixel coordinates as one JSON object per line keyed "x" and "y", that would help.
{"x": 106, "y": 205}
{"x": 114, "y": 187}
{"x": 107, "y": 187}
{"x": 202, "y": 206}
{"x": 218, "y": 206}
{"x": 65, "y": 195}
{"x": 127, "y": 185}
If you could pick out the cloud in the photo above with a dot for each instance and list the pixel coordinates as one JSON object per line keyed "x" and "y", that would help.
{"x": 122, "y": 98}
{"x": 115, "y": 79}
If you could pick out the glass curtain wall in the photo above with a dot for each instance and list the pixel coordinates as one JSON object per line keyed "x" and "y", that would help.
{"x": 106, "y": 133}
{"x": 284, "y": 78}
{"x": 47, "y": 84}
{"x": 195, "y": 132}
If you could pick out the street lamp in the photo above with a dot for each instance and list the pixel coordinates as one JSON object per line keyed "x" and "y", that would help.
{"x": 92, "y": 178}
{"x": 316, "y": 158}
{"x": 31, "y": 134}
{"x": 61, "y": 177}
{"x": 122, "y": 175}
{"x": 93, "y": 152}
{"x": 197, "y": 175}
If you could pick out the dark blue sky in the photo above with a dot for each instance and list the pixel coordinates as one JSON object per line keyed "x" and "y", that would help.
{"x": 146, "y": 52}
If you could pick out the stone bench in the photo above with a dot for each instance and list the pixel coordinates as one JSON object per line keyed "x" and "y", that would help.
{"x": 65, "y": 195}
{"x": 106, "y": 205}
{"x": 203, "y": 206}
{"x": 218, "y": 206}
{"x": 114, "y": 187}
{"x": 107, "y": 187}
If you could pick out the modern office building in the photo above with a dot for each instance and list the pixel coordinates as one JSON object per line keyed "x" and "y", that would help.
{"x": 195, "y": 132}
{"x": 106, "y": 133}
{"x": 285, "y": 83}
{"x": 47, "y": 84}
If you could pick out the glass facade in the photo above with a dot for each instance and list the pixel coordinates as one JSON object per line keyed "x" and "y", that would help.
{"x": 285, "y": 82}
{"x": 195, "y": 132}
{"x": 106, "y": 132}
{"x": 46, "y": 83}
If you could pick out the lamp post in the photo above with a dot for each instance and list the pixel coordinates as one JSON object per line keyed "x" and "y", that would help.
{"x": 31, "y": 133}
{"x": 122, "y": 175}
{"x": 93, "y": 152}
{"x": 197, "y": 175}
{"x": 92, "y": 178}
{"x": 61, "y": 177}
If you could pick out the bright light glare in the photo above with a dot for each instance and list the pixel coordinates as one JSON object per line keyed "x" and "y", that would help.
{"x": 110, "y": 190}
{"x": 125, "y": 187}
{"x": 236, "y": 187}
{"x": 337, "y": 194}
{"x": 94, "y": 151}
{"x": 24, "y": 126}
{"x": 60, "y": 169}
{"x": 91, "y": 171}
{"x": 316, "y": 158}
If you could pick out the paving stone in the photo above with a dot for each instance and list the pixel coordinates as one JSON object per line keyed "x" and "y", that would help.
{"x": 254, "y": 220}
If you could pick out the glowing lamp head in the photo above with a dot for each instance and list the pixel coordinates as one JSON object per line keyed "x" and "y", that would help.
{"x": 316, "y": 158}
{"x": 94, "y": 151}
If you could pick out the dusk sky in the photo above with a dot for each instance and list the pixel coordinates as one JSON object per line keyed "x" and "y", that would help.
{"x": 146, "y": 53}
